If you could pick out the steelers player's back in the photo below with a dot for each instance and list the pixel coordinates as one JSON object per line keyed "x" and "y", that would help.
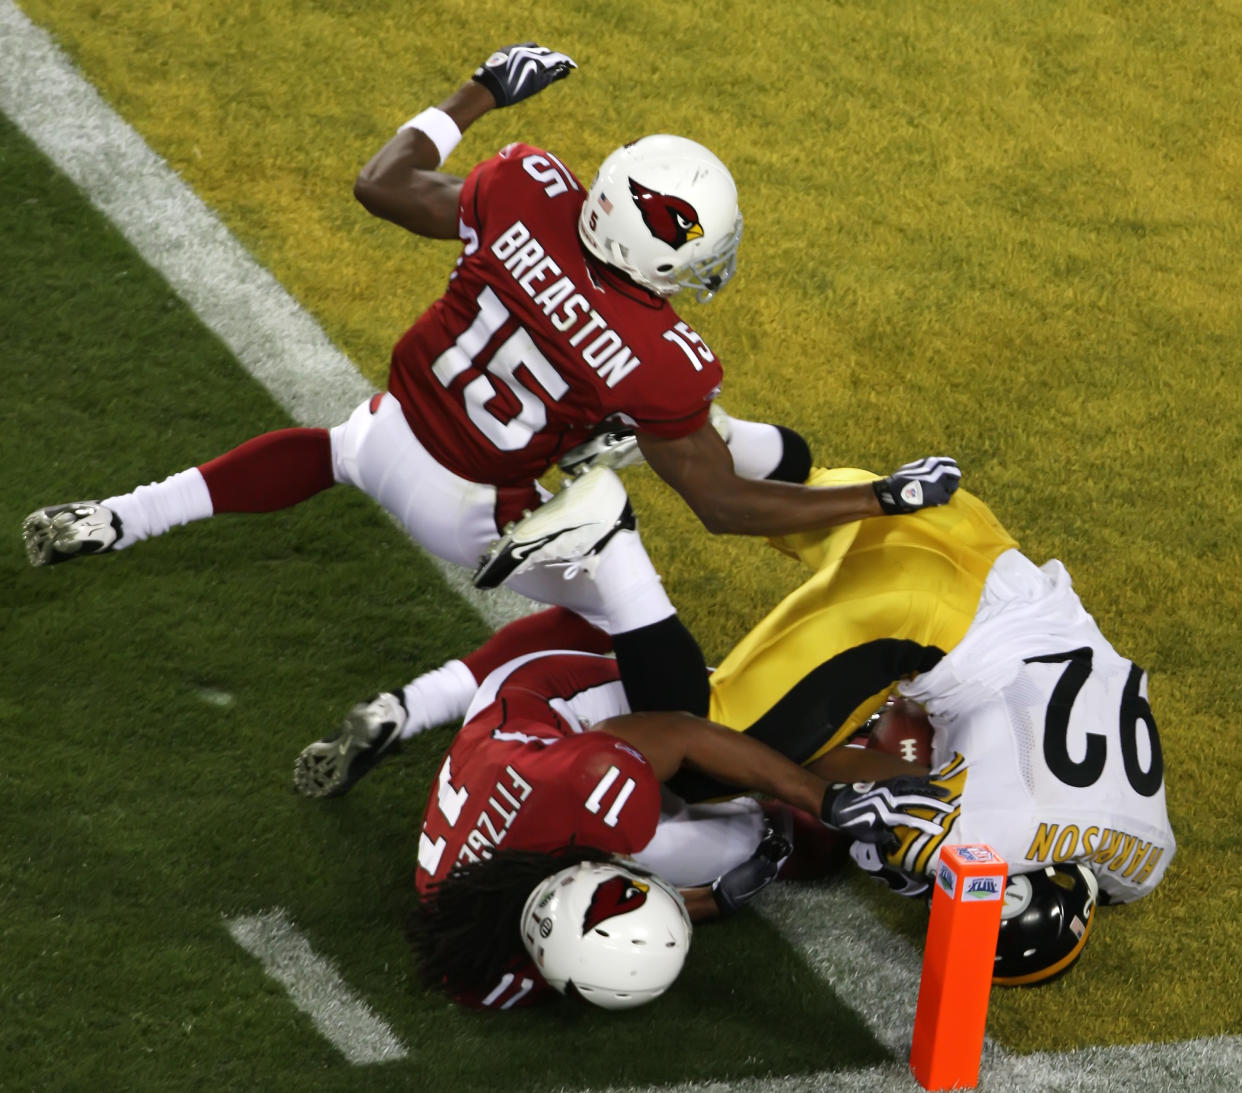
{"x": 1043, "y": 736}
{"x": 1046, "y": 732}
{"x": 887, "y": 599}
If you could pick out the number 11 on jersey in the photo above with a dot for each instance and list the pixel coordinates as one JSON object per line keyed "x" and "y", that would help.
{"x": 596, "y": 801}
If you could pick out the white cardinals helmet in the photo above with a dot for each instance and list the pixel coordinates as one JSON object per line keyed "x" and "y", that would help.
{"x": 614, "y": 935}
{"x": 663, "y": 210}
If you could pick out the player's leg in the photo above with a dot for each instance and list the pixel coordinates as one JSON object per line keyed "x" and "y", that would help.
{"x": 553, "y": 628}
{"x": 589, "y": 526}
{"x": 373, "y": 450}
{"x": 376, "y": 451}
{"x": 443, "y": 694}
{"x": 269, "y": 472}
{"x": 375, "y": 728}
{"x": 620, "y": 592}
{"x": 661, "y": 662}
{"x": 694, "y": 844}
{"x": 456, "y": 519}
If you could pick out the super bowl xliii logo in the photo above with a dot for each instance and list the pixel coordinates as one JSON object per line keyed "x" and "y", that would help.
{"x": 616, "y": 896}
{"x": 667, "y": 217}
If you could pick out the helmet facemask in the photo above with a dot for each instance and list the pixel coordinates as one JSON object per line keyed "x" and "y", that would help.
{"x": 708, "y": 275}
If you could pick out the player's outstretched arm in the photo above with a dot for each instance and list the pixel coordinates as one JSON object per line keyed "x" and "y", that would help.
{"x": 700, "y": 468}
{"x": 868, "y": 811}
{"x": 402, "y": 182}
{"x": 671, "y": 740}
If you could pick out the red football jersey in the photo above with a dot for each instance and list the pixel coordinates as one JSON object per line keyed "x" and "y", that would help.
{"x": 519, "y": 776}
{"x": 531, "y": 347}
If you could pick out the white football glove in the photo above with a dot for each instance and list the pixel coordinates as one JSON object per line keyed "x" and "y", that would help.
{"x": 516, "y": 72}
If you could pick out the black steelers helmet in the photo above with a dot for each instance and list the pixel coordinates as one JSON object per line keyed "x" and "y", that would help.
{"x": 1045, "y": 921}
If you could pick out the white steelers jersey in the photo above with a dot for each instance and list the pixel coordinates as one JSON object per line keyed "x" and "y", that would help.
{"x": 1045, "y": 737}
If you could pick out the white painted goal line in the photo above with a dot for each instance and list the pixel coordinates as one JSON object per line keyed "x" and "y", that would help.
{"x": 316, "y": 988}
{"x": 282, "y": 346}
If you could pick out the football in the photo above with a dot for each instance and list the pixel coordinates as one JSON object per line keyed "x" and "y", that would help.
{"x": 903, "y": 730}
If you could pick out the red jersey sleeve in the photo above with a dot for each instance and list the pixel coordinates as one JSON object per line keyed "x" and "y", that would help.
{"x": 520, "y": 985}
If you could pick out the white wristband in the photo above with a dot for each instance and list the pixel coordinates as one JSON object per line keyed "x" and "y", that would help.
{"x": 437, "y": 127}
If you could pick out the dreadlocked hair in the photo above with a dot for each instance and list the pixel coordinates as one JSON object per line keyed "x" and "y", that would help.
{"x": 465, "y": 930}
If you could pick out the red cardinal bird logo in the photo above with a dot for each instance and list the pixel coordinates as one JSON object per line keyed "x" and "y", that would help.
{"x": 616, "y": 896}
{"x": 667, "y": 217}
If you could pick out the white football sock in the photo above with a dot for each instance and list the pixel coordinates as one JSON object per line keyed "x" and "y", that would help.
{"x": 159, "y": 506}
{"x": 757, "y": 449}
{"x": 631, "y": 591}
{"x": 437, "y": 697}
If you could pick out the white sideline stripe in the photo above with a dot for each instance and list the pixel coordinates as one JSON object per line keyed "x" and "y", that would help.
{"x": 282, "y": 347}
{"x": 877, "y": 973}
{"x": 316, "y": 988}
{"x": 847, "y": 946}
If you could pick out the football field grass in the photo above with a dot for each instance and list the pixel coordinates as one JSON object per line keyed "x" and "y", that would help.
{"x": 153, "y": 703}
{"x": 1008, "y": 236}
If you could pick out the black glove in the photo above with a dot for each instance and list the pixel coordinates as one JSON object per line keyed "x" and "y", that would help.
{"x": 868, "y": 811}
{"x": 732, "y": 889}
{"x": 869, "y": 859}
{"x": 918, "y": 485}
{"x": 516, "y": 72}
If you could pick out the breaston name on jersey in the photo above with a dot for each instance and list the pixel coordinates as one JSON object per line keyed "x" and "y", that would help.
{"x": 567, "y": 309}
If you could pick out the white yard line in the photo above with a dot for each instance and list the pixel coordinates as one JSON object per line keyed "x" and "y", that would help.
{"x": 282, "y": 346}
{"x": 316, "y": 988}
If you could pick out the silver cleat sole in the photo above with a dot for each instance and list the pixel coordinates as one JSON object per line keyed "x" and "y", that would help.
{"x": 369, "y": 734}
{"x": 61, "y": 532}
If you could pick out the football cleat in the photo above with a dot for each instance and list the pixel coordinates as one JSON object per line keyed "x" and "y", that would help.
{"x": 572, "y": 527}
{"x": 370, "y": 732}
{"x": 61, "y": 532}
{"x": 616, "y": 448}
{"x": 719, "y": 420}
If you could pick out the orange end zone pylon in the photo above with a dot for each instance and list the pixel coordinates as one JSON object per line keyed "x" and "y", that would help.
{"x": 957, "y": 967}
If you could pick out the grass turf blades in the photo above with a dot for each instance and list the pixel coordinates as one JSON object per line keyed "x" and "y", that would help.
{"x": 157, "y": 698}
